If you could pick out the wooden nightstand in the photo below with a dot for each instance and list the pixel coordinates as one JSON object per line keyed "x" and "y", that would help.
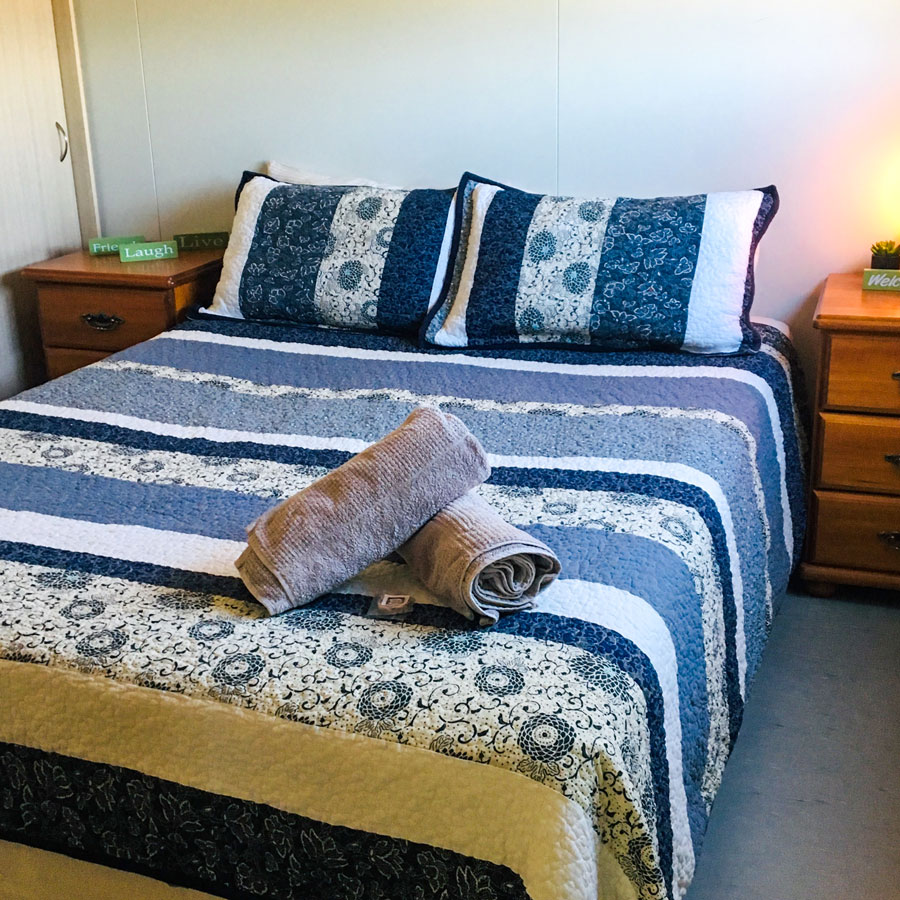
{"x": 854, "y": 526}
{"x": 91, "y": 306}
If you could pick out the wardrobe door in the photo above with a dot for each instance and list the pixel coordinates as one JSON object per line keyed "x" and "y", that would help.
{"x": 38, "y": 212}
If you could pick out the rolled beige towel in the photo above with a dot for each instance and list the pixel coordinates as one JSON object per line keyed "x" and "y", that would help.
{"x": 361, "y": 511}
{"x": 477, "y": 563}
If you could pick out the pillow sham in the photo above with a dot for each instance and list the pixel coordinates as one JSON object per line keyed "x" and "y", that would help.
{"x": 336, "y": 256}
{"x": 668, "y": 273}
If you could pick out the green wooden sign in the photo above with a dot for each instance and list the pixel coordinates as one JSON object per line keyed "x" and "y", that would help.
{"x": 151, "y": 252}
{"x": 203, "y": 240}
{"x": 881, "y": 279}
{"x": 101, "y": 246}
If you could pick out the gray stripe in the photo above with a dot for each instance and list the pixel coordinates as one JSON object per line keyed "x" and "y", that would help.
{"x": 190, "y": 510}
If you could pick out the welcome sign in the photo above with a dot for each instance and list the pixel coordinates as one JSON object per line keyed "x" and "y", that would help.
{"x": 151, "y": 252}
{"x": 881, "y": 279}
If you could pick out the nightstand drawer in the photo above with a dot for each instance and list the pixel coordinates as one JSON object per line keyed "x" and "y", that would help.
{"x": 860, "y": 453}
{"x": 101, "y": 318}
{"x": 856, "y": 531}
{"x": 62, "y": 360}
{"x": 864, "y": 372}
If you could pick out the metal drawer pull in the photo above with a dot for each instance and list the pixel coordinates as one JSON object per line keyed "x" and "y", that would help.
{"x": 892, "y": 458}
{"x": 63, "y": 141}
{"x": 896, "y": 376}
{"x": 101, "y": 321}
{"x": 891, "y": 538}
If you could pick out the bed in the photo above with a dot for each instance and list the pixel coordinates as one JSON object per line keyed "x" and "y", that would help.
{"x": 155, "y": 722}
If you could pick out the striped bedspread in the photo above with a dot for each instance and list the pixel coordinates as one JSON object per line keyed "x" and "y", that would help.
{"x": 155, "y": 721}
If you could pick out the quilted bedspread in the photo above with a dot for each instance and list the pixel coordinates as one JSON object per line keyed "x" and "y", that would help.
{"x": 156, "y": 721}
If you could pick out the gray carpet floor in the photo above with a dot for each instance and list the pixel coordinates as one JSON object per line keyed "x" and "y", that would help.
{"x": 810, "y": 805}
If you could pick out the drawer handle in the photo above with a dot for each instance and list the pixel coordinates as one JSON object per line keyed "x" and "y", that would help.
{"x": 101, "y": 321}
{"x": 892, "y": 458}
{"x": 891, "y": 538}
{"x": 896, "y": 376}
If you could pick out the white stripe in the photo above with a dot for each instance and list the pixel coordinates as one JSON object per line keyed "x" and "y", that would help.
{"x": 760, "y": 385}
{"x": 444, "y": 255}
{"x": 637, "y": 621}
{"x": 135, "y": 543}
{"x": 226, "y": 301}
{"x": 717, "y": 292}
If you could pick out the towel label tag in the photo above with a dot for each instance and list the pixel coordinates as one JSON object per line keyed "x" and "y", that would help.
{"x": 390, "y": 606}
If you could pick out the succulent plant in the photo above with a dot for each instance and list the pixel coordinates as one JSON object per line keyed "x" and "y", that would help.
{"x": 885, "y": 248}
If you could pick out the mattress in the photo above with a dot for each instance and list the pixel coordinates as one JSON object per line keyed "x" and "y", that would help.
{"x": 156, "y": 722}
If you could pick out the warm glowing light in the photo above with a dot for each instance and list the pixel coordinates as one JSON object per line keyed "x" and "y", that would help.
{"x": 886, "y": 208}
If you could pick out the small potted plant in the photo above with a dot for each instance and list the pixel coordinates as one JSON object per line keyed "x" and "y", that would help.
{"x": 886, "y": 255}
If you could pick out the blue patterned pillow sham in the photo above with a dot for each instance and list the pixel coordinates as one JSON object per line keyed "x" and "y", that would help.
{"x": 348, "y": 256}
{"x": 670, "y": 273}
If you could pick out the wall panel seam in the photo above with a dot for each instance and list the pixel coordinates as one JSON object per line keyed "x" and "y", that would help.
{"x": 137, "y": 22}
{"x": 558, "y": 2}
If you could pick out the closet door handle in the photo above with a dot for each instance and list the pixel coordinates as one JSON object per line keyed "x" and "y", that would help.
{"x": 63, "y": 141}
{"x": 102, "y": 321}
{"x": 891, "y": 538}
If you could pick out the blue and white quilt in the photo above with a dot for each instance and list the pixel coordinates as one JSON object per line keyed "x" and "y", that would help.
{"x": 154, "y": 720}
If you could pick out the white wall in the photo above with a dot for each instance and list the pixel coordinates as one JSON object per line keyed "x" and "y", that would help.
{"x": 577, "y": 96}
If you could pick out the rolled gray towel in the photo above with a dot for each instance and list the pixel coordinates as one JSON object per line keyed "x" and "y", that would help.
{"x": 360, "y": 511}
{"x": 478, "y": 564}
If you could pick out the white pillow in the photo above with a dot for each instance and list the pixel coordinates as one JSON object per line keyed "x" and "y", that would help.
{"x": 291, "y": 175}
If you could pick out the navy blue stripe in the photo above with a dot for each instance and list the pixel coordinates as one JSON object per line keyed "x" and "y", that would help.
{"x": 215, "y": 843}
{"x": 767, "y": 208}
{"x": 289, "y": 332}
{"x": 639, "y": 300}
{"x": 610, "y": 645}
{"x": 462, "y": 216}
{"x": 290, "y": 239}
{"x": 411, "y": 263}
{"x": 491, "y": 312}
{"x": 645, "y": 568}
{"x": 139, "y": 572}
{"x": 145, "y": 440}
